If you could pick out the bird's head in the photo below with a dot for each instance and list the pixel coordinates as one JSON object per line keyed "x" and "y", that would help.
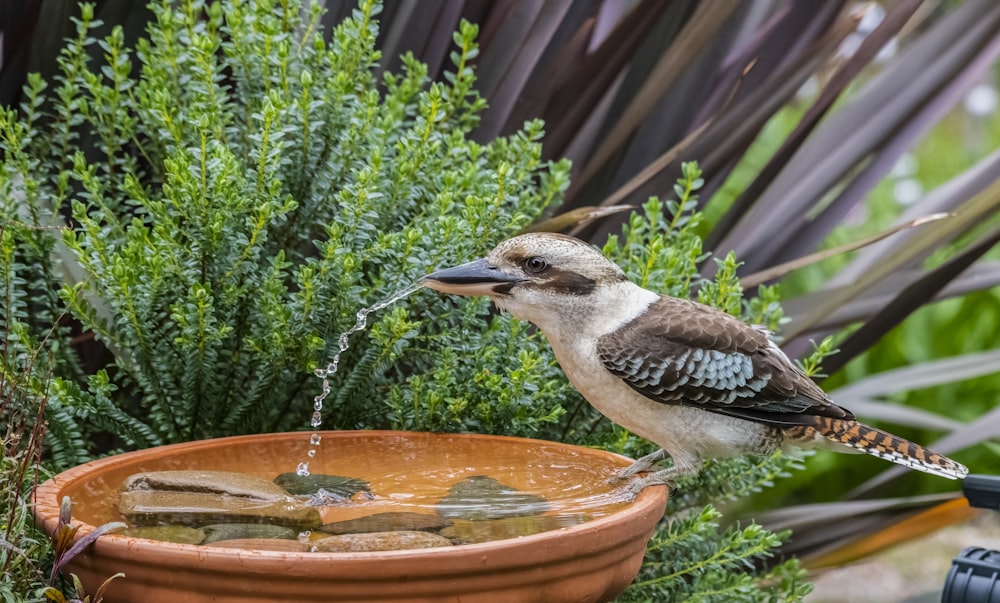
{"x": 538, "y": 277}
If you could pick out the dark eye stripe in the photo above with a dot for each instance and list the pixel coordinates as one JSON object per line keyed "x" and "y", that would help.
{"x": 567, "y": 282}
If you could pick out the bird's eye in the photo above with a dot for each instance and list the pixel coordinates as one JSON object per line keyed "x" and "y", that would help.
{"x": 536, "y": 265}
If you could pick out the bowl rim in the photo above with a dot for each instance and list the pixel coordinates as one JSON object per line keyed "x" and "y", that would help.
{"x": 591, "y": 537}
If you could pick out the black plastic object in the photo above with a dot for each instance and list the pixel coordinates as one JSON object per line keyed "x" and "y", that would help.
{"x": 983, "y": 491}
{"x": 974, "y": 577}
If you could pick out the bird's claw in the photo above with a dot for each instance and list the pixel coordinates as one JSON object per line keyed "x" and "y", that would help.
{"x": 666, "y": 477}
{"x": 642, "y": 465}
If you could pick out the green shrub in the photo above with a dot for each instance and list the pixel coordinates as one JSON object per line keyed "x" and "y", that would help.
{"x": 236, "y": 202}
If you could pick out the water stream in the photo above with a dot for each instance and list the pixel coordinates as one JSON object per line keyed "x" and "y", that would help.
{"x": 330, "y": 370}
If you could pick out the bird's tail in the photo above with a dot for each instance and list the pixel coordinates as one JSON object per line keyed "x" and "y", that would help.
{"x": 869, "y": 440}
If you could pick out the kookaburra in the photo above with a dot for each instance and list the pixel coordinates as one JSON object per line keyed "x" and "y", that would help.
{"x": 692, "y": 379}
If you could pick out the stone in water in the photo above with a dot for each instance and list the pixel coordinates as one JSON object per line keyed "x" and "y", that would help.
{"x": 481, "y": 497}
{"x": 175, "y": 534}
{"x": 197, "y": 498}
{"x": 308, "y": 485}
{"x": 229, "y": 483}
{"x": 388, "y": 522}
{"x": 263, "y": 544}
{"x": 218, "y": 532}
{"x": 380, "y": 541}
{"x": 470, "y": 532}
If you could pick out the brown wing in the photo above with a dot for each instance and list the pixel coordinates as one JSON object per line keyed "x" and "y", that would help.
{"x": 682, "y": 352}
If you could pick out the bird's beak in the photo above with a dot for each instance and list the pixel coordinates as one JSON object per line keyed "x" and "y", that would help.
{"x": 474, "y": 278}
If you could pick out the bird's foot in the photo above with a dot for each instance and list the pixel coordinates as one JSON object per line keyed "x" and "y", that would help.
{"x": 641, "y": 466}
{"x": 664, "y": 477}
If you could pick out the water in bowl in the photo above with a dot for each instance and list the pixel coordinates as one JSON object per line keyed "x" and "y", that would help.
{"x": 407, "y": 472}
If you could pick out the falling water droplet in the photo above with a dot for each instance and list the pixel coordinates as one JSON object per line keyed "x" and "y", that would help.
{"x": 331, "y": 369}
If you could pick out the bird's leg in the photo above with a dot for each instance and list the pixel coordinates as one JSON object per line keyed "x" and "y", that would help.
{"x": 642, "y": 465}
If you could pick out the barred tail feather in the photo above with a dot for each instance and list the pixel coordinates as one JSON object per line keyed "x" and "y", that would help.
{"x": 884, "y": 445}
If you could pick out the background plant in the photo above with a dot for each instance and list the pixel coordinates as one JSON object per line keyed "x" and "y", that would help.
{"x": 66, "y": 549}
{"x": 24, "y": 373}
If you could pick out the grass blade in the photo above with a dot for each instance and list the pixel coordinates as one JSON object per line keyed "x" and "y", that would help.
{"x": 850, "y": 135}
{"x": 980, "y": 276}
{"x": 924, "y": 374}
{"x": 970, "y": 214}
{"x": 774, "y": 272}
{"x": 945, "y": 198}
{"x": 699, "y": 31}
{"x": 579, "y": 217}
{"x": 898, "y": 15}
{"x": 911, "y": 298}
{"x": 914, "y": 526}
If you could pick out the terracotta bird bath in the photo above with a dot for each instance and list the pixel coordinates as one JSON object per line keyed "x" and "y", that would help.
{"x": 593, "y": 559}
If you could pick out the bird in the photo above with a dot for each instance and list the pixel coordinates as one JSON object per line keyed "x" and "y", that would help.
{"x": 692, "y": 379}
